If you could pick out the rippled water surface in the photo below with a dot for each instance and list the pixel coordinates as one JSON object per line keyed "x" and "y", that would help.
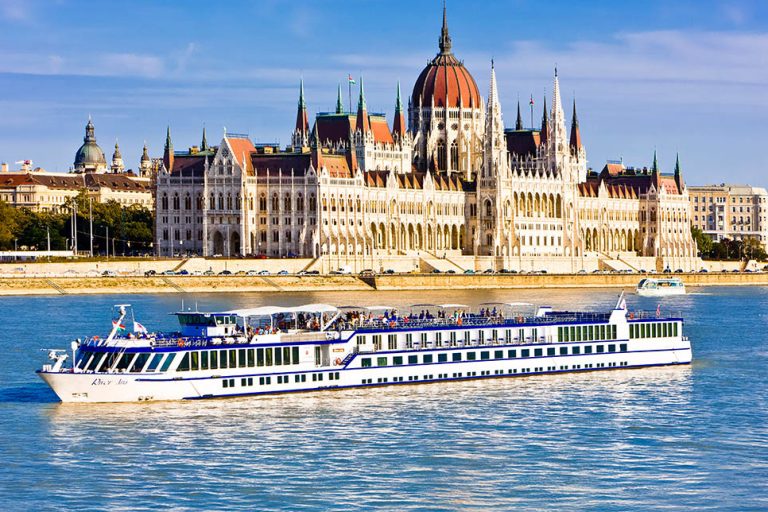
{"x": 673, "y": 438}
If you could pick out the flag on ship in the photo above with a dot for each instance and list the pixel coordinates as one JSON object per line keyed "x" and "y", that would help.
{"x": 138, "y": 328}
{"x": 116, "y": 323}
{"x": 622, "y": 302}
{"x": 658, "y": 310}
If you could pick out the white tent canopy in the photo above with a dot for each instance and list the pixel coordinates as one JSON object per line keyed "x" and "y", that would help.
{"x": 276, "y": 310}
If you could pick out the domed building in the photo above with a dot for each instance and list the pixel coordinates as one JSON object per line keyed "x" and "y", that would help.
{"x": 90, "y": 157}
{"x": 447, "y": 115}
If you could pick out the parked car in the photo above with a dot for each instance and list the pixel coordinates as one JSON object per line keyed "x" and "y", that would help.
{"x": 169, "y": 273}
{"x": 108, "y": 273}
{"x": 679, "y": 271}
{"x": 702, "y": 270}
{"x": 252, "y": 273}
{"x": 263, "y": 272}
{"x": 469, "y": 271}
{"x": 225, "y": 273}
{"x": 367, "y": 272}
{"x": 261, "y": 256}
{"x": 150, "y": 272}
{"x": 389, "y": 271}
{"x": 283, "y": 273}
{"x": 450, "y": 271}
{"x": 488, "y": 271}
{"x": 182, "y": 272}
{"x": 208, "y": 272}
{"x": 313, "y": 272}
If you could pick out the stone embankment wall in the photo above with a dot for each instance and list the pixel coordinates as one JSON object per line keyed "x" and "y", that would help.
{"x": 206, "y": 284}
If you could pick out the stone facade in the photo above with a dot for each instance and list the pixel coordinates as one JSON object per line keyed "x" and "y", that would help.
{"x": 736, "y": 212}
{"x": 456, "y": 183}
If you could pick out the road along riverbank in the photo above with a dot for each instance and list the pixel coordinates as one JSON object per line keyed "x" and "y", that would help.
{"x": 293, "y": 283}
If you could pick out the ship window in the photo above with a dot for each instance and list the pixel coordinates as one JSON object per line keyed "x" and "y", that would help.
{"x": 578, "y": 334}
{"x": 392, "y": 341}
{"x": 409, "y": 340}
{"x": 194, "y": 360}
{"x": 154, "y": 361}
{"x": 613, "y": 332}
{"x": 225, "y": 383}
{"x": 295, "y": 353}
{"x": 665, "y": 329}
{"x": 423, "y": 338}
{"x": 184, "y": 364}
{"x": 278, "y": 356}
{"x": 471, "y": 356}
{"x": 139, "y": 362}
{"x": 397, "y": 360}
{"x": 381, "y": 361}
{"x": 674, "y": 330}
{"x": 94, "y": 362}
{"x": 622, "y": 347}
{"x": 427, "y": 358}
{"x": 203, "y": 360}
{"x": 413, "y": 359}
{"x": 584, "y": 333}
{"x": 167, "y": 363}
{"x": 466, "y": 336}
{"x": 508, "y": 334}
{"x": 573, "y": 334}
{"x": 611, "y": 348}
{"x": 259, "y": 357}
{"x": 511, "y": 353}
{"x": 232, "y": 358}
{"x": 563, "y": 351}
{"x": 442, "y": 358}
{"x": 456, "y": 356}
{"x": 485, "y": 355}
{"x": 251, "y": 358}
{"x": 241, "y": 357}
{"x": 537, "y": 352}
{"x": 600, "y": 349}
{"x": 588, "y": 349}
{"x": 525, "y": 353}
{"x": 286, "y": 355}
{"x": 214, "y": 358}
{"x": 365, "y": 362}
{"x": 551, "y": 351}
{"x": 498, "y": 354}
{"x": 481, "y": 335}
{"x": 268, "y": 357}
{"x": 361, "y": 340}
{"x": 602, "y": 332}
{"x": 575, "y": 350}
{"x": 591, "y": 333}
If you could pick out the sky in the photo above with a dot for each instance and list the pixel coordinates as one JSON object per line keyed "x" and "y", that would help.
{"x": 687, "y": 76}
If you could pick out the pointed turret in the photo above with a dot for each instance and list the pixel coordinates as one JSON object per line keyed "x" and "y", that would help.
{"x": 339, "y": 103}
{"x": 204, "y": 142}
{"x": 316, "y": 148}
{"x": 445, "y": 38}
{"x": 398, "y": 126}
{"x": 655, "y": 166}
{"x": 117, "y": 159}
{"x": 495, "y": 146}
{"x": 679, "y": 174}
{"x": 557, "y": 130}
{"x": 519, "y": 122}
{"x": 575, "y": 133}
{"x": 363, "y": 123}
{"x": 145, "y": 165}
{"x": 301, "y": 132}
{"x": 544, "y": 123}
{"x": 168, "y": 151}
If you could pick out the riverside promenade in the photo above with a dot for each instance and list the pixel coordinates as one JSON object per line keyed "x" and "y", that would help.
{"x": 75, "y": 285}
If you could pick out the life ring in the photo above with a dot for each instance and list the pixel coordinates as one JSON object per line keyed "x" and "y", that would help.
{"x": 181, "y": 342}
{"x": 631, "y": 315}
{"x": 337, "y": 362}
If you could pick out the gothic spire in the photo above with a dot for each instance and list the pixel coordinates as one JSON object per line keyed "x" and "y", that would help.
{"x": 544, "y": 122}
{"x": 339, "y": 103}
{"x": 363, "y": 123}
{"x": 302, "y": 122}
{"x": 679, "y": 174}
{"x": 575, "y": 133}
{"x": 655, "y": 166}
{"x": 398, "y": 126}
{"x": 204, "y": 142}
{"x": 168, "y": 150}
{"x": 445, "y": 39}
{"x": 519, "y": 122}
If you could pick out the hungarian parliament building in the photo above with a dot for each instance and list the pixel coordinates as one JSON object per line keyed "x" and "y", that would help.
{"x": 449, "y": 183}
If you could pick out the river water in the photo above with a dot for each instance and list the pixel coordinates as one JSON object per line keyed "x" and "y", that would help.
{"x": 673, "y": 438}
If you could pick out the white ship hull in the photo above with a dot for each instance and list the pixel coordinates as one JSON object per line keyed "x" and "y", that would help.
{"x": 668, "y": 292}
{"x": 95, "y": 387}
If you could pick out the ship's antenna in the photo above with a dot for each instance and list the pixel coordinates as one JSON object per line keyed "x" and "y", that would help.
{"x": 182, "y": 304}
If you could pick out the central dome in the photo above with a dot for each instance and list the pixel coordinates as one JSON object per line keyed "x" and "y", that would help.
{"x": 445, "y": 80}
{"x": 89, "y": 156}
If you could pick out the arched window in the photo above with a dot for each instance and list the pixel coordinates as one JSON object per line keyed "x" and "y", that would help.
{"x": 188, "y": 202}
{"x": 221, "y": 201}
{"x": 176, "y": 201}
{"x": 275, "y": 203}
{"x": 238, "y": 204}
{"x": 287, "y": 203}
{"x": 454, "y": 156}
{"x": 164, "y": 201}
{"x": 199, "y": 201}
{"x": 440, "y": 155}
{"x": 229, "y": 201}
{"x": 300, "y": 202}
{"x": 488, "y": 208}
{"x": 263, "y": 202}
{"x": 312, "y": 203}
{"x": 213, "y": 202}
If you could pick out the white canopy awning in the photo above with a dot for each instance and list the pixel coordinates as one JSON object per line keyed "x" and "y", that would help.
{"x": 453, "y": 306}
{"x": 275, "y": 310}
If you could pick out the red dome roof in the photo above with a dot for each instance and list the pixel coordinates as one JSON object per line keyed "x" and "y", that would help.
{"x": 445, "y": 80}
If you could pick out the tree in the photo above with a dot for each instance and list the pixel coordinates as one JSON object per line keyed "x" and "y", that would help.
{"x": 703, "y": 242}
{"x": 8, "y": 225}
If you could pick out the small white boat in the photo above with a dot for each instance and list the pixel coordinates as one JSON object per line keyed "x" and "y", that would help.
{"x": 663, "y": 287}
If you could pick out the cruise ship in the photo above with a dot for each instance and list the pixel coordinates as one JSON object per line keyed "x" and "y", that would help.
{"x": 271, "y": 350}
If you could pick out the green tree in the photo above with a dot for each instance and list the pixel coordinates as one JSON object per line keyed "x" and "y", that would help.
{"x": 703, "y": 242}
{"x": 9, "y": 218}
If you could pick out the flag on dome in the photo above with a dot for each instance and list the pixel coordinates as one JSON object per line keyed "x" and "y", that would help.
{"x": 531, "y": 102}
{"x": 351, "y": 80}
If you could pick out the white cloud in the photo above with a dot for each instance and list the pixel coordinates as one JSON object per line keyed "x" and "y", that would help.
{"x": 108, "y": 64}
{"x": 15, "y": 10}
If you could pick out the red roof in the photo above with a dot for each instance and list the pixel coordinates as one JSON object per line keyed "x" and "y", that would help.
{"x": 380, "y": 129}
{"x": 446, "y": 81}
